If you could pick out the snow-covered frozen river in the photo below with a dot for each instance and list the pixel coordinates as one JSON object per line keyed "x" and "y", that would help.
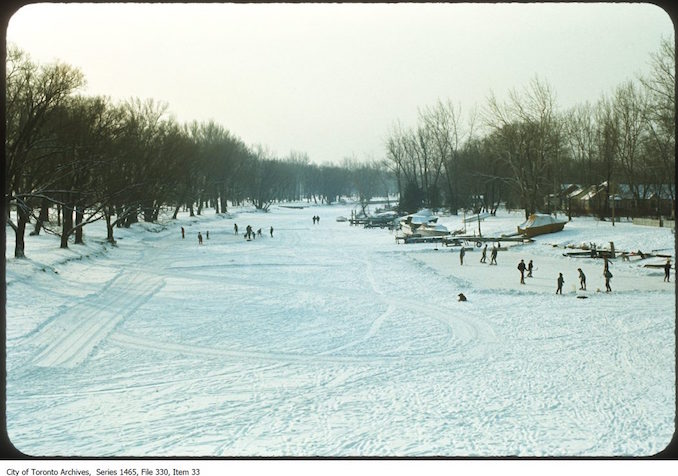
{"x": 332, "y": 340}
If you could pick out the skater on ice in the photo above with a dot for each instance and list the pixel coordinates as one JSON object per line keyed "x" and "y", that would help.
{"x": 608, "y": 276}
{"x": 521, "y": 268}
{"x": 582, "y": 280}
{"x": 560, "y": 284}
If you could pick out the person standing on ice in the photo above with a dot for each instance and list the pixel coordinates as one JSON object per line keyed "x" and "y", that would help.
{"x": 493, "y": 256}
{"x": 530, "y": 266}
{"x": 462, "y": 252}
{"x": 582, "y": 280}
{"x": 521, "y": 268}
{"x": 183, "y": 233}
{"x": 667, "y": 271}
{"x": 235, "y": 228}
{"x": 608, "y": 276}
{"x": 560, "y": 284}
{"x": 271, "y": 232}
{"x": 207, "y": 234}
{"x": 199, "y": 238}
{"x": 483, "y": 258}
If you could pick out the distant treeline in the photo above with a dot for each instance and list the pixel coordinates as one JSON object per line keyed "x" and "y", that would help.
{"x": 523, "y": 150}
{"x": 73, "y": 159}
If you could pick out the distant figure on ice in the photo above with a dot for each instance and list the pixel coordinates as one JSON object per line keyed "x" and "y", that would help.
{"x": 259, "y": 232}
{"x": 183, "y": 233}
{"x": 608, "y": 276}
{"x": 560, "y": 284}
{"x": 461, "y": 297}
{"x": 667, "y": 271}
{"x": 235, "y": 228}
{"x": 521, "y": 268}
{"x": 199, "y": 238}
{"x": 317, "y": 219}
{"x": 483, "y": 258}
{"x": 314, "y": 218}
{"x": 207, "y": 234}
{"x": 462, "y": 252}
{"x": 530, "y": 266}
{"x": 271, "y": 232}
{"x": 493, "y": 256}
{"x": 582, "y": 280}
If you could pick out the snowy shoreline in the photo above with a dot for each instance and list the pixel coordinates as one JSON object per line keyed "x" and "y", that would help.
{"x": 333, "y": 340}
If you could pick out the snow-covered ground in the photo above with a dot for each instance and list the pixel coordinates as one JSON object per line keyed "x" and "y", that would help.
{"x": 334, "y": 340}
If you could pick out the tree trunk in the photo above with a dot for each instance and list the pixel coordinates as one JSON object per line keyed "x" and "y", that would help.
{"x": 43, "y": 217}
{"x": 19, "y": 246}
{"x": 67, "y": 227}
{"x": 79, "y": 214}
{"x": 176, "y": 212}
{"x": 108, "y": 212}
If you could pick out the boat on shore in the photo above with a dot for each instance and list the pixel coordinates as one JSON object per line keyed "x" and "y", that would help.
{"x": 422, "y": 223}
{"x": 539, "y": 224}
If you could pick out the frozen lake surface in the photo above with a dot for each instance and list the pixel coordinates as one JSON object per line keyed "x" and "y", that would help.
{"x": 332, "y": 340}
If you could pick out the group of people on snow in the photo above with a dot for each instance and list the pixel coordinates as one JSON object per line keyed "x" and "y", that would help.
{"x": 523, "y": 268}
{"x": 249, "y": 233}
{"x": 493, "y": 255}
{"x": 316, "y": 219}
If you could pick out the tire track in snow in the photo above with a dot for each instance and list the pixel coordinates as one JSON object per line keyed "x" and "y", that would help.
{"x": 80, "y": 329}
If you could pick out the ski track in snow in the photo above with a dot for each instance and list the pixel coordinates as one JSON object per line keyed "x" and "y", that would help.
{"x": 279, "y": 347}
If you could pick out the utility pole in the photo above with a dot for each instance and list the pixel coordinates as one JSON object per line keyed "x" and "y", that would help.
{"x": 613, "y": 200}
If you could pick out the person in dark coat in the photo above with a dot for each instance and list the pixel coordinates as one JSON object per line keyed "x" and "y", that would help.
{"x": 560, "y": 284}
{"x": 235, "y": 228}
{"x": 530, "y": 266}
{"x": 582, "y": 280}
{"x": 259, "y": 232}
{"x": 183, "y": 233}
{"x": 608, "y": 276}
{"x": 462, "y": 252}
{"x": 493, "y": 256}
{"x": 207, "y": 234}
{"x": 667, "y": 271}
{"x": 483, "y": 258}
{"x": 199, "y": 238}
{"x": 271, "y": 232}
{"x": 462, "y": 298}
{"x": 521, "y": 268}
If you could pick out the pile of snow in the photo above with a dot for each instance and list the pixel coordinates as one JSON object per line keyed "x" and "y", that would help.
{"x": 334, "y": 340}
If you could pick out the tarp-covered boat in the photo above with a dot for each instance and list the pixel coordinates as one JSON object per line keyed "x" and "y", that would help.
{"x": 538, "y": 224}
{"x": 422, "y": 223}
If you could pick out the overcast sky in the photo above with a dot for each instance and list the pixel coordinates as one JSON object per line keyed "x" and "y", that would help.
{"x": 331, "y": 79}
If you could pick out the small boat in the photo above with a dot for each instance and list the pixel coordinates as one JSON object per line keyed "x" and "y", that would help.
{"x": 382, "y": 219}
{"x": 538, "y": 224}
{"x": 342, "y": 219}
{"x": 422, "y": 223}
{"x": 432, "y": 229}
